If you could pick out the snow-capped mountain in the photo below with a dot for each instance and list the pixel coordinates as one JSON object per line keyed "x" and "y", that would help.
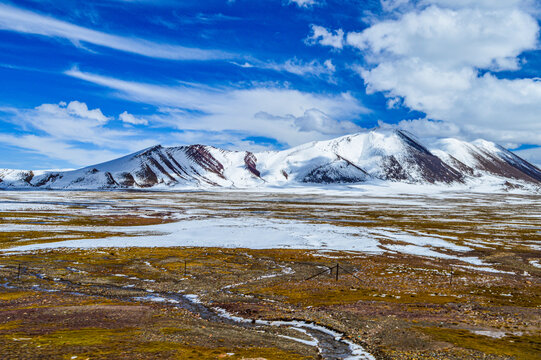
{"x": 380, "y": 155}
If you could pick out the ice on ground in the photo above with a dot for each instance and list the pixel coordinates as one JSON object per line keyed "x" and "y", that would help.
{"x": 490, "y": 333}
{"x": 313, "y": 343}
{"x": 155, "y": 298}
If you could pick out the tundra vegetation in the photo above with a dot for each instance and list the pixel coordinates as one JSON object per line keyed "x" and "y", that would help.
{"x": 79, "y": 303}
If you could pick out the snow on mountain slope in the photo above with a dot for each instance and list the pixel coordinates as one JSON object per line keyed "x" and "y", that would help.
{"x": 481, "y": 157}
{"x": 382, "y": 155}
{"x": 14, "y": 176}
{"x": 187, "y": 166}
{"x": 385, "y": 155}
{"x": 21, "y": 177}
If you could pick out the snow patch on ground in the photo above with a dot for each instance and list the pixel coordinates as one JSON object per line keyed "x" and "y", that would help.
{"x": 203, "y": 219}
{"x": 232, "y": 233}
{"x": 490, "y": 333}
{"x": 257, "y": 233}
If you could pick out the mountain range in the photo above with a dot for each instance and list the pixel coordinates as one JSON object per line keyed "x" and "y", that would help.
{"x": 390, "y": 156}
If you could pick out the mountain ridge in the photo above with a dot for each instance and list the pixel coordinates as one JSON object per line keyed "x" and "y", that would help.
{"x": 375, "y": 156}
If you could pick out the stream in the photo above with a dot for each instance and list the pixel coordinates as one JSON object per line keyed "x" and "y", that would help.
{"x": 331, "y": 344}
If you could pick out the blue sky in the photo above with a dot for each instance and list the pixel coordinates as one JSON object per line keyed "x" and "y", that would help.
{"x": 87, "y": 81}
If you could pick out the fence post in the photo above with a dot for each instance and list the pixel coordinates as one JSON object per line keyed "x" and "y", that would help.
{"x": 337, "y": 267}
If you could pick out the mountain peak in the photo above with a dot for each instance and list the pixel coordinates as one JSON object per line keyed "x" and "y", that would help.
{"x": 378, "y": 155}
{"x": 147, "y": 151}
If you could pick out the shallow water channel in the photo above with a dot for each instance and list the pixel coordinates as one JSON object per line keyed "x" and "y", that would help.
{"x": 330, "y": 344}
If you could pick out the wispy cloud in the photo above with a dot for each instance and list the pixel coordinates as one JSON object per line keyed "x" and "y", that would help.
{"x": 313, "y": 67}
{"x": 58, "y": 150}
{"x": 303, "y": 3}
{"x": 23, "y": 21}
{"x": 280, "y": 113}
{"x": 295, "y": 66}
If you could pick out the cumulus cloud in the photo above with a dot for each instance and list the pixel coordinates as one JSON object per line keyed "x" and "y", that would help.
{"x": 27, "y": 22}
{"x": 324, "y": 37}
{"x": 451, "y": 38}
{"x": 130, "y": 119}
{"x": 70, "y": 132}
{"x": 80, "y": 109}
{"x": 73, "y": 121}
{"x": 198, "y": 107}
{"x": 444, "y": 57}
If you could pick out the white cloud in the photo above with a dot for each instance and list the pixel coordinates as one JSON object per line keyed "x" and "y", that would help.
{"x": 301, "y": 68}
{"x": 442, "y": 57}
{"x": 27, "y": 22}
{"x": 71, "y": 122}
{"x": 130, "y": 119}
{"x": 425, "y": 128}
{"x": 197, "y": 107}
{"x": 329, "y": 65}
{"x": 422, "y": 86}
{"x": 503, "y": 110}
{"x": 390, "y": 5}
{"x": 295, "y": 66}
{"x": 314, "y": 122}
{"x": 303, "y": 3}
{"x": 483, "y": 4}
{"x": 452, "y": 38}
{"x": 324, "y": 37}
{"x": 317, "y": 120}
{"x": 314, "y": 67}
{"x": 80, "y": 109}
{"x": 71, "y": 132}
